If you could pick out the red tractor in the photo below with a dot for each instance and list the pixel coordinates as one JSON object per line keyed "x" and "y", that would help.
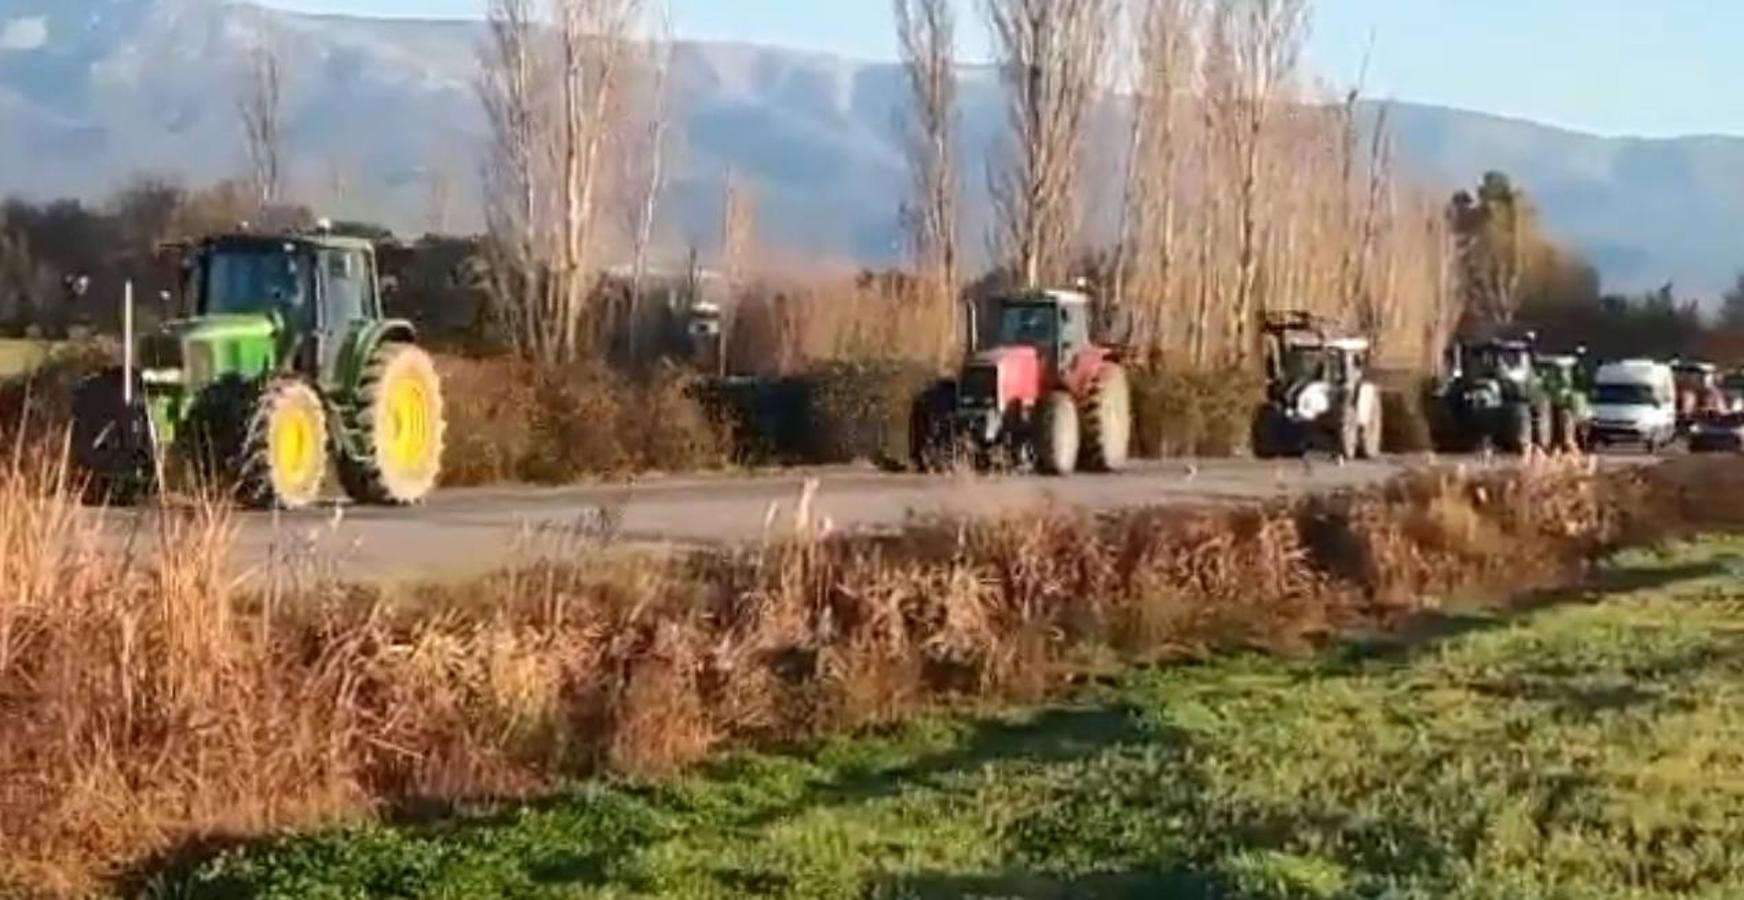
{"x": 1036, "y": 391}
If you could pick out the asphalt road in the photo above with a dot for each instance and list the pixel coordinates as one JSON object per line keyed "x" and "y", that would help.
{"x": 466, "y": 532}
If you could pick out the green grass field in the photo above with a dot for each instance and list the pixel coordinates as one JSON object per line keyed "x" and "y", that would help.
{"x": 1592, "y": 749}
{"x": 18, "y": 357}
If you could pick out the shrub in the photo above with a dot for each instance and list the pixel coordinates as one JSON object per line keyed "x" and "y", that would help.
{"x": 860, "y": 410}
{"x": 147, "y": 703}
{"x": 511, "y": 421}
{"x": 1406, "y": 409}
{"x": 1183, "y": 412}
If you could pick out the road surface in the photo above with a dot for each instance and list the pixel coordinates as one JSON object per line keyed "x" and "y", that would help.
{"x": 469, "y": 532}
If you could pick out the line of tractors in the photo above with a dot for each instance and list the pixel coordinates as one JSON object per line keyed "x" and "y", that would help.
{"x": 282, "y": 370}
{"x": 1039, "y": 389}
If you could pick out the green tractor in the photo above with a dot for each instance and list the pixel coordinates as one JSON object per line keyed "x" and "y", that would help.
{"x": 1564, "y": 380}
{"x": 1495, "y": 399}
{"x": 283, "y": 365}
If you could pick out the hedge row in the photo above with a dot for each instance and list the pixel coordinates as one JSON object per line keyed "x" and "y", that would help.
{"x": 513, "y": 422}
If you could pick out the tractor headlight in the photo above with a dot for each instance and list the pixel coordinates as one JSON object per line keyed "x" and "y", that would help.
{"x": 1314, "y": 401}
{"x": 1484, "y": 396}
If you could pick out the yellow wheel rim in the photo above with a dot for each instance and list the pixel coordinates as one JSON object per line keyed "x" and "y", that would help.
{"x": 297, "y": 454}
{"x": 407, "y": 435}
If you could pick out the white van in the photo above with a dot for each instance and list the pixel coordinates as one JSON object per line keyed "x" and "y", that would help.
{"x": 1635, "y": 402}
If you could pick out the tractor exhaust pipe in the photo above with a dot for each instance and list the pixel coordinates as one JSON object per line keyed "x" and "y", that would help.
{"x": 127, "y": 343}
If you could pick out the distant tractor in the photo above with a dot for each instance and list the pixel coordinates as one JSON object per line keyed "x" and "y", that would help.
{"x": 283, "y": 364}
{"x": 1495, "y": 398}
{"x": 1035, "y": 391}
{"x": 1318, "y": 395}
{"x": 1571, "y": 412}
{"x": 1699, "y": 392}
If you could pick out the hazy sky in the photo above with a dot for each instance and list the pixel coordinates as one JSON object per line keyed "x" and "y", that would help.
{"x": 1650, "y": 67}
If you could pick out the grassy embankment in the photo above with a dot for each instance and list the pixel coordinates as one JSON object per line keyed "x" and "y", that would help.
{"x": 1592, "y": 748}
{"x": 149, "y": 706}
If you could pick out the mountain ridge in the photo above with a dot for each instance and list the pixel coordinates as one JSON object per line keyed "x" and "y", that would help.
{"x": 378, "y": 108}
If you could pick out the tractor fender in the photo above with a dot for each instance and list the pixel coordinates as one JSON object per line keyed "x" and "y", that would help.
{"x": 1086, "y": 367}
{"x": 360, "y": 345}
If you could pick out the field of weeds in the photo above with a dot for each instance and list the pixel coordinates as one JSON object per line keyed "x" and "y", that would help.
{"x": 1586, "y": 749}
{"x": 150, "y": 711}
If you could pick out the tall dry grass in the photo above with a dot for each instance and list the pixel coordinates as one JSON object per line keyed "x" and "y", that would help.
{"x": 147, "y": 702}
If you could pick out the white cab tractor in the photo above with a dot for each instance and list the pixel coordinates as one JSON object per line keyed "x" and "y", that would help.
{"x": 1318, "y": 394}
{"x": 1635, "y": 402}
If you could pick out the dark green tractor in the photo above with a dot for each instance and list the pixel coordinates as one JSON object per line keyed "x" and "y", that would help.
{"x": 1495, "y": 398}
{"x": 283, "y": 369}
{"x": 1565, "y": 383}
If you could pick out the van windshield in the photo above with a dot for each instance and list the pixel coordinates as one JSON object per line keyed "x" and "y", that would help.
{"x": 1624, "y": 395}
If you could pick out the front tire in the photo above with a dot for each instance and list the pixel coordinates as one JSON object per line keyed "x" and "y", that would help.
{"x": 1517, "y": 428}
{"x": 1057, "y": 435}
{"x": 284, "y": 458}
{"x": 399, "y": 425}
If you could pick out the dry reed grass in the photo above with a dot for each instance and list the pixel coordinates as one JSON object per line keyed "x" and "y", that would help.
{"x": 145, "y": 704}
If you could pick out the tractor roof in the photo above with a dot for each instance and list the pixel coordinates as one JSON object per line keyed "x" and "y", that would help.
{"x": 1064, "y": 298}
{"x": 1499, "y": 344}
{"x": 326, "y": 241}
{"x": 1346, "y": 344}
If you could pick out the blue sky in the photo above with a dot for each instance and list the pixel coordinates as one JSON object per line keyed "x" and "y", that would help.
{"x": 1649, "y": 67}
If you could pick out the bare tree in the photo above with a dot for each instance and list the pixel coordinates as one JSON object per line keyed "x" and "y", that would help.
{"x": 648, "y": 209}
{"x": 926, "y": 32}
{"x": 260, "y": 107}
{"x": 1052, "y": 56}
{"x": 1265, "y": 47}
{"x": 1166, "y": 37}
{"x": 738, "y": 236}
{"x": 551, "y": 90}
{"x": 515, "y": 180}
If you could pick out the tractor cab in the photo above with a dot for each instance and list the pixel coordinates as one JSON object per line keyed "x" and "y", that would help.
{"x": 1299, "y": 352}
{"x": 1500, "y": 360}
{"x": 1055, "y": 324}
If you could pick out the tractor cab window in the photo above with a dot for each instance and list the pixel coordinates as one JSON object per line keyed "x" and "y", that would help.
{"x": 1305, "y": 363}
{"x": 1501, "y": 362}
{"x": 345, "y": 286}
{"x": 1031, "y": 324}
{"x": 257, "y": 281}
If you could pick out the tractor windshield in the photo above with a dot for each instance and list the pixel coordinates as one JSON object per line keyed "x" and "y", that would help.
{"x": 1509, "y": 363}
{"x": 1305, "y": 363}
{"x": 1029, "y": 324}
{"x": 257, "y": 281}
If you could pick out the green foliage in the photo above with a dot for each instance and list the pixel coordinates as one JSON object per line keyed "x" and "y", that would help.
{"x": 1583, "y": 751}
{"x": 1181, "y": 412}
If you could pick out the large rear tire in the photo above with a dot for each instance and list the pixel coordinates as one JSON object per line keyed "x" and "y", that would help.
{"x": 398, "y": 423}
{"x": 283, "y": 463}
{"x": 1057, "y": 435}
{"x": 1107, "y": 421}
